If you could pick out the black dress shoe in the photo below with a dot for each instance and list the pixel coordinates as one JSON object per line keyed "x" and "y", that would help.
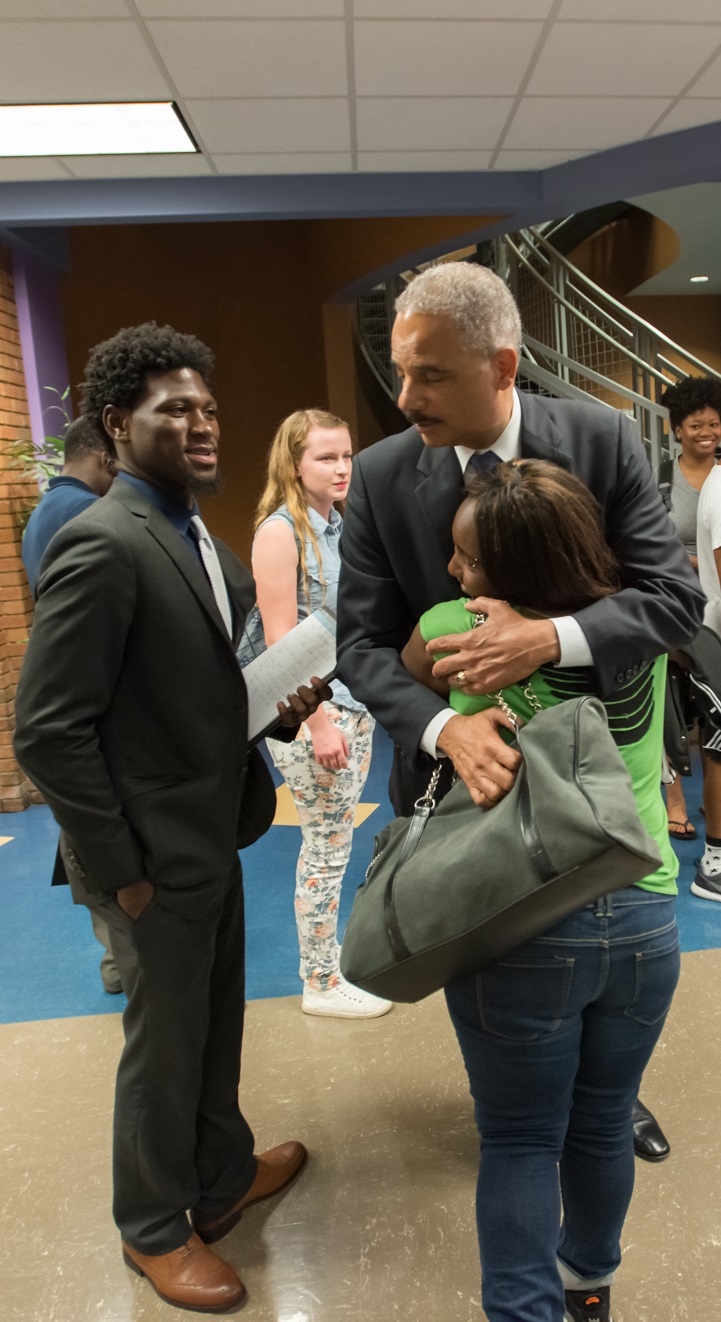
{"x": 649, "y": 1140}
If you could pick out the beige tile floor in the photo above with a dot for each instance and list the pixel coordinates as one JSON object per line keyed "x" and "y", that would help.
{"x": 380, "y": 1227}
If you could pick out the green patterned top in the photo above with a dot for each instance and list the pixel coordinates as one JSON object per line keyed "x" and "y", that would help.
{"x": 635, "y": 719}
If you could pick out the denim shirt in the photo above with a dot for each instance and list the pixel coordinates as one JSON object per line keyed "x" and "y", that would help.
{"x": 328, "y": 536}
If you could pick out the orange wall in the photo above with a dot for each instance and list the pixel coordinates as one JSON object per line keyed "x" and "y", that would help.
{"x": 627, "y": 252}
{"x": 254, "y": 291}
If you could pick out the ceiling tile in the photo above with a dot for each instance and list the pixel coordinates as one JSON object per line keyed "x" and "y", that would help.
{"x": 78, "y": 62}
{"x": 709, "y": 84}
{"x": 452, "y": 59}
{"x": 687, "y": 114}
{"x": 315, "y": 124}
{"x": 445, "y": 9}
{"x": 430, "y": 123}
{"x": 583, "y": 123}
{"x": 703, "y": 11}
{"x": 25, "y": 168}
{"x": 407, "y": 162}
{"x": 285, "y": 163}
{"x": 595, "y": 59}
{"x": 533, "y": 160}
{"x": 250, "y": 58}
{"x": 240, "y": 8}
{"x": 136, "y": 167}
{"x": 71, "y": 9}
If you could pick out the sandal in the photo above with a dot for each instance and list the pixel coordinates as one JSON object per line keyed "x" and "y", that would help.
{"x": 685, "y": 830}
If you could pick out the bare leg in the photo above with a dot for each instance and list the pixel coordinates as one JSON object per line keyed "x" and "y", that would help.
{"x": 678, "y": 812}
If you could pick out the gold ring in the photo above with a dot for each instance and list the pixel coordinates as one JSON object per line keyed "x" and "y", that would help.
{"x": 461, "y": 678}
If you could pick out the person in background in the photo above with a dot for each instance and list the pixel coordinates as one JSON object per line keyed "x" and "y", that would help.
{"x": 694, "y": 407}
{"x": 556, "y": 1036}
{"x": 705, "y": 682}
{"x": 296, "y": 565}
{"x": 87, "y": 473}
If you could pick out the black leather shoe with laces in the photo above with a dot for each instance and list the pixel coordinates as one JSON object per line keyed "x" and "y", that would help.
{"x": 589, "y": 1305}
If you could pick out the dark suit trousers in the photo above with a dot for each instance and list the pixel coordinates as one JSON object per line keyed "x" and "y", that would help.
{"x": 180, "y": 1140}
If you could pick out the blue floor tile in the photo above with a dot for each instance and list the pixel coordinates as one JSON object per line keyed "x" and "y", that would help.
{"x": 49, "y": 957}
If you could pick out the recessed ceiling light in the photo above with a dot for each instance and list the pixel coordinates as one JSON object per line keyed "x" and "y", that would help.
{"x": 698, "y": 279}
{"x": 100, "y": 129}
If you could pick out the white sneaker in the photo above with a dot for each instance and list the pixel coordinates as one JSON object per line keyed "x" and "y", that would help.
{"x": 344, "y": 1002}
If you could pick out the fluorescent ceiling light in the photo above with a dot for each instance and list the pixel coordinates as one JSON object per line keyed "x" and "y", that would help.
{"x": 698, "y": 279}
{"x": 102, "y": 129}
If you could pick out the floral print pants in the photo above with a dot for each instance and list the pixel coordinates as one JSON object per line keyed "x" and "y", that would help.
{"x": 326, "y": 801}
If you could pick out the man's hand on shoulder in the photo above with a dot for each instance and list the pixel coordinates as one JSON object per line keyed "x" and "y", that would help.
{"x": 487, "y": 765}
{"x": 508, "y": 647}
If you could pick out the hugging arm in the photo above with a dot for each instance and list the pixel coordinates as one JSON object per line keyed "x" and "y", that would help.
{"x": 419, "y": 663}
{"x": 660, "y": 605}
{"x": 374, "y": 624}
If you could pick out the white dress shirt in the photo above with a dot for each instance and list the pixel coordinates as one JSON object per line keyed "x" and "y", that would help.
{"x": 575, "y": 650}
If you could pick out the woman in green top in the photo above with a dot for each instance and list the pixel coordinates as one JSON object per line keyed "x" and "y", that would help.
{"x": 556, "y": 1036}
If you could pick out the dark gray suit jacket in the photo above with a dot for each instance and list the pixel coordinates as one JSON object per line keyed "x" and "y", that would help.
{"x": 396, "y": 544}
{"x": 131, "y": 708}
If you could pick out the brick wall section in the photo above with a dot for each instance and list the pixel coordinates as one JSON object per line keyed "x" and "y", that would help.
{"x": 16, "y": 493}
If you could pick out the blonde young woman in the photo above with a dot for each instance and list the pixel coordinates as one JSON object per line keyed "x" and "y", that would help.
{"x": 296, "y": 566}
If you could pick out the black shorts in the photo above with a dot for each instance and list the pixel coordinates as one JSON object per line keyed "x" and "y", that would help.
{"x": 705, "y": 705}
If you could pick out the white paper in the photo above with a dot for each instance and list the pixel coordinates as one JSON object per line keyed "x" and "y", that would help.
{"x": 308, "y": 649}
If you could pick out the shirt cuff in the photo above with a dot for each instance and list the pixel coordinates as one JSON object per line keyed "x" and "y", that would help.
{"x": 575, "y": 650}
{"x": 433, "y": 729}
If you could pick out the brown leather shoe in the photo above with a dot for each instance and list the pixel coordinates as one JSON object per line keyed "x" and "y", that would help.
{"x": 276, "y": 1168}
{"x": 192, "y": 1276}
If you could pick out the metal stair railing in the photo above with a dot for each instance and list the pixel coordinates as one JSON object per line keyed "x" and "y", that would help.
{"x": 580, "y": 341}
{"x": 374, "y": 314}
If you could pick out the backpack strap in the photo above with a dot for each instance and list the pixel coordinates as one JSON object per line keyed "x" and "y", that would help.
{"x": 665, "y": 482}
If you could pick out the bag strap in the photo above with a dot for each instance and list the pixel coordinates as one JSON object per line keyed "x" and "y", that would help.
{"x": 422, "y": 812}
{"x": 665, "y": 482}
{"x": 480, "y": 618}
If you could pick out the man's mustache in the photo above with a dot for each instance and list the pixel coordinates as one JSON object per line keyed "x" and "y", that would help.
{"x": 414, "y": 417}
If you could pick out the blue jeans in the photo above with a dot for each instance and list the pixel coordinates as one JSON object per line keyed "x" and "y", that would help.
{"x": 555, "y": 1039}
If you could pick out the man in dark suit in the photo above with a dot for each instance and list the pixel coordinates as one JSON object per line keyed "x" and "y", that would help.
{"x": 132, "y": 720}
{"x": 456, "y": 344}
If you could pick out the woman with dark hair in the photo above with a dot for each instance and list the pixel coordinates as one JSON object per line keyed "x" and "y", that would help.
{"x": 556, "y": 1036}
{"x": 296, "y": 566}
{"x": 694, "y": 407}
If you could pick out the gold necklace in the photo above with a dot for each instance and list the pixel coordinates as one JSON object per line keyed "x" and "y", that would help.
{"x": 527, "y": 687}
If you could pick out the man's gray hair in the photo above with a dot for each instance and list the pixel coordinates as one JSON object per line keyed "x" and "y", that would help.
{"x": 476, "y": 300}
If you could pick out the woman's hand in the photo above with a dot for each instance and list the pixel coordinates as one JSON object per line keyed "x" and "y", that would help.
{"x": 330, "y": 746}
{"x": 507, "y": 648}
{"x": 486, "y": 764}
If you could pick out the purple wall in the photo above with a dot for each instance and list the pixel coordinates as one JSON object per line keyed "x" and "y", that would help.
{"x": 42, "y": 340}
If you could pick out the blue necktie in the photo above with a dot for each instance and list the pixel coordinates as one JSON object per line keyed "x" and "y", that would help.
{"x": 480, "y": 462}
